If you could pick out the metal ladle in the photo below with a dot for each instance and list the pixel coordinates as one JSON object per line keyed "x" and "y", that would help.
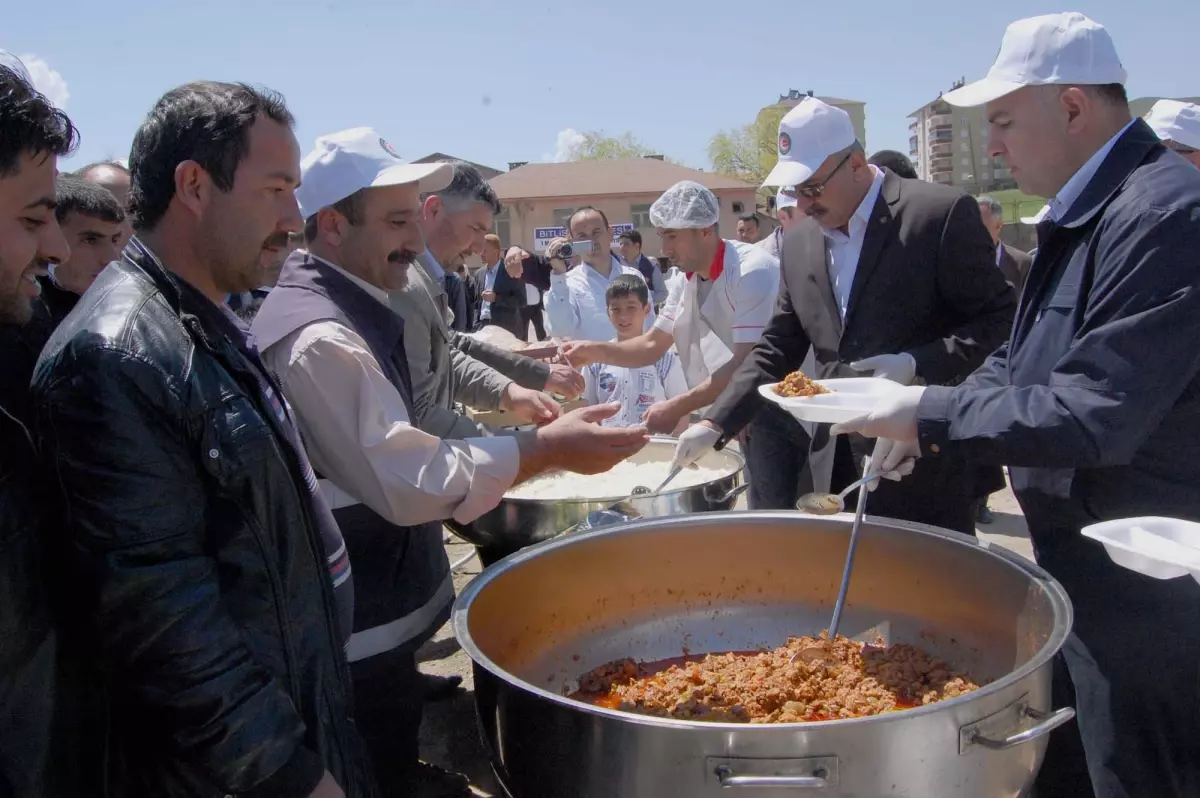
{"x": 830, "y": 503}
{"x": 820, "y": 650}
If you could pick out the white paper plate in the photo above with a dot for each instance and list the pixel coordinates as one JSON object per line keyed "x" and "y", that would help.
{"x": 849, "y": 399}
{"x": 1163, "y": 548}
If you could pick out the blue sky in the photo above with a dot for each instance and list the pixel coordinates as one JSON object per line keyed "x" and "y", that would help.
{"x": 495, "y": 82}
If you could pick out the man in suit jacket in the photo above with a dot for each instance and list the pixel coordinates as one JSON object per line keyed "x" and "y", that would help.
{"x": 502, "y": 297}
{"x": 1012, "y": 262}
{"x": 447, "y": 366}
{"x": 886, "y": 275}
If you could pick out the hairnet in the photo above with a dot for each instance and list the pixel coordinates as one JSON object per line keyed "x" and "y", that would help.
{"x": 687, "y": 204}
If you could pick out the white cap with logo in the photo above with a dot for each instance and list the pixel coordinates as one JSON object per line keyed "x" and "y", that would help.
{"x": 809, "y": 134}
{"x": 1172, "y": 120}
{"x": 1053, "y": 50}
{"x": 345, "y": 162}
{"x": 784, "y": 201}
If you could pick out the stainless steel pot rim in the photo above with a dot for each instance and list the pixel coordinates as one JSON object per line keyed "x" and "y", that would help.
{"x": 665, "y": 439}
{"x": 1055, "y": 592}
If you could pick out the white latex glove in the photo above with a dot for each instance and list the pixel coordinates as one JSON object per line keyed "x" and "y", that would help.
{"x": 894, "y": 417}
{"x": 894, "y": 459}
{"x": 901, "y": 368}
{"x": 693, "y": 443}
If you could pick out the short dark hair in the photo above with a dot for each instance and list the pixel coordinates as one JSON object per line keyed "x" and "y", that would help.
{"x": 627, "y": 285}
{"x": 1112, "y": 93}
{"x": 205, "y": 122}
{"x": 750, "y": 217}
{"x": 894, "y": 161}
{"x": 83, "y": 170}
{"x": 351, "y": 207}
{"x": 29, "y": 123}
{"x": 632, "y": 236}
{"x": 467, "y": 186}
{"x": 584, "y": 209}
{"x": 76, "y": 195}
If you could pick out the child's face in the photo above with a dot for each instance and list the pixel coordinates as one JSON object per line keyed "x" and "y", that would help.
{"x": 628, "y": 315}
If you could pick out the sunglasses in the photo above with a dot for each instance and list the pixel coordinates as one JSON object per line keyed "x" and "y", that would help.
{"x": 813, "y": 191}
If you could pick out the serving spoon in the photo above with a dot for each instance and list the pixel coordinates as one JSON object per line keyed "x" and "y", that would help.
{"x": 830, "y": 503}
{"x": 820, "y": 650}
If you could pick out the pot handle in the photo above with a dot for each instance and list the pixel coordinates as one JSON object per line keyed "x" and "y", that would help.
{"x": 734, "y": 492}
{"x": 1047, "y": 722}
{"x": 814, "y": 773}
{"x": 621, "y": 512}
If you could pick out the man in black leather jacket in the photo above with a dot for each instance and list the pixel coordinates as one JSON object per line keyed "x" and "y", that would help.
{"x": 32, "y": 136}
{"x": 208, "y": 576}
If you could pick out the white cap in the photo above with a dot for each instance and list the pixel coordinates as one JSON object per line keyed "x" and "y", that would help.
{"x": 1053, "y": 50}
{"x": 1037, "y": 217}
{"x": 808, "y": 134}
{"x": 687, "y": 205}
{"x": 345, "y": 162}
{"x": 1172, "y": 120}
{"x": 784, "y": 201}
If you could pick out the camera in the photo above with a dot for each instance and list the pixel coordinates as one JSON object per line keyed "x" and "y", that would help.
{"x": 572, "y": 248}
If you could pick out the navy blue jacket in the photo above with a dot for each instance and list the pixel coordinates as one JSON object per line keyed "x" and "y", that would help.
{"x": 1095, "y": 401}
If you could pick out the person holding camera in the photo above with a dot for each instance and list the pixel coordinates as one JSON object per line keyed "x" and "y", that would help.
{"x": 575, "y": 304}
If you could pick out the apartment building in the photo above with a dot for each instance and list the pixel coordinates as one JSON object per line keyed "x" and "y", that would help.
{"x": 950, "y": 145}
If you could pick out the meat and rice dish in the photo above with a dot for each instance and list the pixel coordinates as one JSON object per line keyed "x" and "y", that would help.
{"x": 797, "y": 384}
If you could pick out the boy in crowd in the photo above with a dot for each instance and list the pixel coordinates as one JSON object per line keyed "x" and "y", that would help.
{"x": 628, "y": 301}
{"x": 92, "y": 220}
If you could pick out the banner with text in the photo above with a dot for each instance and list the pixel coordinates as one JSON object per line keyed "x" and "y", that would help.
{"x": 542, "y": 236}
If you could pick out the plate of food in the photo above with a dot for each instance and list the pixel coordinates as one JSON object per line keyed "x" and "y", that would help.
{"x": 827, "y": 401}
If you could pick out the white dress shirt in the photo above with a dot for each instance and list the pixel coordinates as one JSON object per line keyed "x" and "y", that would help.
{"x": 636, "y": 389}
{"x": 1061, "y": 202}
{"x": 844, "y": 250}
{"x": 489, "y": 284}
{"x": 576, "y": 307}
{"x": 360, "y": 438}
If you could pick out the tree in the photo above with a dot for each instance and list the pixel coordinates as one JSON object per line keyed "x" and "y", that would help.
{"x": 595, "y": 146}
{"x": 748, "y": 152}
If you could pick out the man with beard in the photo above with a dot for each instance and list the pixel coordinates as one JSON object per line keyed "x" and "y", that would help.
{"x": 33, "y": 135}
{"x": 447, "y": 366}
{"x": 210, "y": 586}
{"x": 328, "y": 332}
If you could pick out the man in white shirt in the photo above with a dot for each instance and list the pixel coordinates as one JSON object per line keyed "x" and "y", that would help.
{"x": 575, "y": 304}
{"x": 714, "y": 321}
{"x": 328, "y": 333}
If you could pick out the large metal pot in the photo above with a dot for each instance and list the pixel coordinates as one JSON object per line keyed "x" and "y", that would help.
{"x": 516, "y": 523}
{"x": 739, "y": 581}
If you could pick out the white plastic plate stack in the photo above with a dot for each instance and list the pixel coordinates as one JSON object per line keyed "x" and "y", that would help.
{"x": 848, "y": 399}
{"x": 1163, "y": 548}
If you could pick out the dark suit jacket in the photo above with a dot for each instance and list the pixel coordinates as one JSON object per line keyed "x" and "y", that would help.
{"x": 926, "y": 283}
{"x": 510, "y": 300}
{"x": 1014, "y": 265}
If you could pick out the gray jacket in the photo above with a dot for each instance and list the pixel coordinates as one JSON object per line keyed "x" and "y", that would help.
{"x": 449, "y": 367}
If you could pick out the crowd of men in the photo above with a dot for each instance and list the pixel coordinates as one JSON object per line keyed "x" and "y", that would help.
{"x": 231, "y": 420}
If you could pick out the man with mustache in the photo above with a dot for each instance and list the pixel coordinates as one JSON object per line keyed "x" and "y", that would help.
{"x": 885, "y": 276}
{"x": 209, "y": 584}
{"x": 33, "y": 135}
{"x": 327, "y": 330}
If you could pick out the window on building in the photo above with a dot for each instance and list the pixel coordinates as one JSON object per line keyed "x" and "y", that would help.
{"x": 562, "y": 216}
{"x": 502, "y": 228}
{"x": 966, "y": 132}
{"x": 965, "y": 162}
{"x": 738, "y": 207}
{"x": 965, "y": 147}
{"x": 639, "y": 215}
{"x": 966, "y": 177}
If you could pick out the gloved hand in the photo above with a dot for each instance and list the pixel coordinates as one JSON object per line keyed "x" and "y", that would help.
{"x": 693, "y": 443}
{"x": 894, "y": 417}
{"x": 901, "y": 368}
{"x": 894, "y": 459}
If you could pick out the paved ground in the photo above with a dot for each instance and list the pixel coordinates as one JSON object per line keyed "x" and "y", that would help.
{"x": 449, "y": 736}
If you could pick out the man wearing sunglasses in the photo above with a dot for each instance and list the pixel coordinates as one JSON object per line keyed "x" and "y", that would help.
{"x": 1178, "y": 125}
{"x": 886, "y": 276}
